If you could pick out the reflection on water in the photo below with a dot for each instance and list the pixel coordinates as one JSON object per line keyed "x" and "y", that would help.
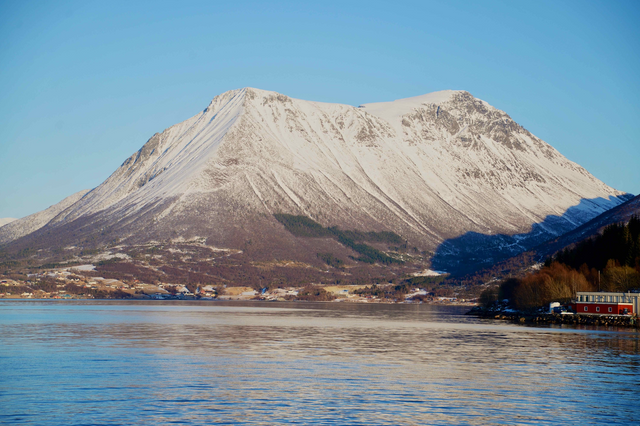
{"x": 93, "y": 362}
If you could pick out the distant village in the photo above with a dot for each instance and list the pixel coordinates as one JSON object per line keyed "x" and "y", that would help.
{"x": 70, "y": 284}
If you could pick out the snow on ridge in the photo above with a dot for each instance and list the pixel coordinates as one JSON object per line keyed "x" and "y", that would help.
{"x": 357, "y": 149}
{"x": 6, "y": 220}
{"x": 168, "y": 163}
{"x": 392, "y": 110}
{"x": 446, "y": 167}
{"x": 21, "y": 227}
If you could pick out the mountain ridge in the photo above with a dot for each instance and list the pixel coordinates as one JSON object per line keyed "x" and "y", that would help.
{"x": 18, "y": 228}
{"x": 430, "y": 168}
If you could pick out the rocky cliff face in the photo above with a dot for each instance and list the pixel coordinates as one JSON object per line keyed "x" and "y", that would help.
{"x": 430, "y": 168}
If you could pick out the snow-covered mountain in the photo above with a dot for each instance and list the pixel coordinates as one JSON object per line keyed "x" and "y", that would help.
{"x": 17, "y": 228}
{"x": 430, "y": 168}
{"x": 5, "y": 220}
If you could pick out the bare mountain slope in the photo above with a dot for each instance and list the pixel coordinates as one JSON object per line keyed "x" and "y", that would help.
{"x": 429, "y": 168}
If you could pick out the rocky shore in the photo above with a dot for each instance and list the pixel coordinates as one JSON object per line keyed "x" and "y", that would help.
{"x": 572, "y": 319}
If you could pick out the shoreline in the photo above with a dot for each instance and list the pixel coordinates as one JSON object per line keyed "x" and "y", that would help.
{"x": 150, "y": 299}
{"x": 626, "y": 321}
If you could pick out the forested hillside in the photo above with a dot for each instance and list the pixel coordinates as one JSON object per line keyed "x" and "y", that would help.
{"x": 607, "y": 262}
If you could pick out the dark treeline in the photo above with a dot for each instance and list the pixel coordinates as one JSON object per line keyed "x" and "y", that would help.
{"x": 302, "y": 226}
{"x": 386, "y": 292}
{"x": 426, "y": 281}
{"x": 618, "y": 242}
{"x": 394, "y": 292}
{"x": 607, "y": 262}
{"x": 512, "y": 267}
{"x": 331, "y": 260}
{"x": 312, "y": 293}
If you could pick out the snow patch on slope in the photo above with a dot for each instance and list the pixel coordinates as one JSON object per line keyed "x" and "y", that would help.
{"x": 390, "y": 111}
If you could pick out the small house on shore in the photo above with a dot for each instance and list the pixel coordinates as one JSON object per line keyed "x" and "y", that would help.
{"x": 606, "y": 303}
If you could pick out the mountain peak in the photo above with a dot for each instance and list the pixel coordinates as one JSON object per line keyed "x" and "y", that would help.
{"x": 222, "y": 99}
{"x": 429, "y": 168}
{"x": 390, "y": 111}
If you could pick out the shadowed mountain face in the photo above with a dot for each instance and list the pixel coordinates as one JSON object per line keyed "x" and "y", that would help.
{"x": 430, "y": 169}
{"x": 473, "y": 251}
{"x": 621, "y": 213}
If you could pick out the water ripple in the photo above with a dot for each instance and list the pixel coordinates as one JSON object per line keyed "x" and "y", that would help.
{"x": 106, "y": 363}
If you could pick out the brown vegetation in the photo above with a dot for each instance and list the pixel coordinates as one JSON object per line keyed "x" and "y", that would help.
{"x": 608, "y": 262}
{"x": 312, "y": 293}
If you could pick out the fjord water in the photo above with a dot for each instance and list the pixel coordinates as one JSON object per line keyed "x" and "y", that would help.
{"x": 121, "y": 362}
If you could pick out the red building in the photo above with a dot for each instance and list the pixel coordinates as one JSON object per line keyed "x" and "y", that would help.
{"x": 601, "y": 303}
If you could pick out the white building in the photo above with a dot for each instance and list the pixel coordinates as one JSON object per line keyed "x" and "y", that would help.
{"x": 592, "y": 302}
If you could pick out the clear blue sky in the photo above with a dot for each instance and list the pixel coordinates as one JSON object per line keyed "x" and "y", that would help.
{"x": 83, "y": 84}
